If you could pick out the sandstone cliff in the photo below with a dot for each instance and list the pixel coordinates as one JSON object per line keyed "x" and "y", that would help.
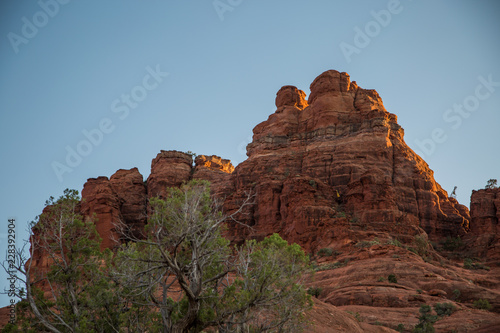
{"x": 339, "y": 152}
{"x": 484, "y": 236}
{"x": 334, "y": 174}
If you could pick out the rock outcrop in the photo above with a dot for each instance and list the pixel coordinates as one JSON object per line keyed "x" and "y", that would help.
{"x": 339, "y": 152}
{"x": 100, "y": 203}
{"x": 168, "y": 169}
{"x": 333, "y": 173}
{"x": 484, "y": 236}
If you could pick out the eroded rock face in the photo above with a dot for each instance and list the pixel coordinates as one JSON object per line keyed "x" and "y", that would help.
{"x": 129, "y": 187}
{"x": 168, "y": 169}
{"x": 101, "y": 203}
{"x": 484, "y": 238}
{"x": 334, "y": 172}
{"x": 217, "y": 171}
{"x": 115, "y": 201}
{"x": 341, "y": 152}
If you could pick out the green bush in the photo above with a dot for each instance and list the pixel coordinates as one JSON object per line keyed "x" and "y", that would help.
{"x": 356, "y": 315}
{"x": 392, "y": 278}
{"x": 444, "y": 309}
{"x": 452, "y": 244}
{"x": 482, "y": 304}
{"x": 394, "y": 242}
{"x": 425, "y": 321}
{"x": 421, "y": 245}
{"x": 325, "y": 252}
{"x": 400, "y": 328}
{"x": 363, "y": 244}
{"x": 314, "y": 291}
{"x": 470, "y": 264}
{"x": 336, "y": 264}
{"x": 381, "y": 279}
{"x": 456, "y": 294}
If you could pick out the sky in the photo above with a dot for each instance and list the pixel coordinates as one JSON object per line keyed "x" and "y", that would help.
{"x": 90, "y": 87}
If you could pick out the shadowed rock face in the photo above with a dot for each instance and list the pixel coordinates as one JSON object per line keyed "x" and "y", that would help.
{"x": 484, "y": 238}
{"x": 334, "y": 172}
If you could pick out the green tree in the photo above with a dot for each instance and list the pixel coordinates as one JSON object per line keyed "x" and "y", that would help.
{"x": 425, "y": 321}
{"x": 69, "y": 290}
{"x": 491, "y": 184}
{"x": 186, "y": 272}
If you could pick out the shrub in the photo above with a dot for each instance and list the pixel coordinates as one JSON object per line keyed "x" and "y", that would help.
{"x": 425, "y": 321}
{"x": 325, "y": 252}
{"x": 392, "y": 278}
{"x": 400, "y": 328}
{"x": 482, "y": 304}
{"x": 336, "y": 264}
{"x": 394, "y": 242}
{"x": 356, "y": 315}
{"x": 452, "y": 244}
{"x": 470, "y": 264}
{"x": 444, "y": 309}
{"x": 421, "y": 245}
{"x": 363, "y": 244}
{"x": 381, "y": 279}
{"x": 314, "y": 291}
{"x": 456, "y": 294}
{"x": 341, "y": 214}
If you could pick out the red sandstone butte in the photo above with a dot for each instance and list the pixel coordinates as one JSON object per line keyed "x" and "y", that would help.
{"x": 333, "y": 173}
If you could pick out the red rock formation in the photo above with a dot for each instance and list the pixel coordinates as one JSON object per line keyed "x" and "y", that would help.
{"x": 120, "y": 199}
{"x": 100, "y": 202}
{"x": 484, "y": 238}
{"x": 169, "y": 168}
{"x": 334, "y": 172}
{"x": 217, "y": 171}
{"x": 340, "y": 151}
{"x": 131, "y": 192}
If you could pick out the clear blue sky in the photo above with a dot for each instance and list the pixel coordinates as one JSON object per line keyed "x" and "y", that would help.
{"x": 69, "y": 69}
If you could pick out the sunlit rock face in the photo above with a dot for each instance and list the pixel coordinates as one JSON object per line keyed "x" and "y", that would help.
{"x": 333, "y": 172}
{"x": 340, "y": 150}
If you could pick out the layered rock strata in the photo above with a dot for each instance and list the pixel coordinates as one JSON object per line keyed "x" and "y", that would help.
{"x": 339, "y": 152}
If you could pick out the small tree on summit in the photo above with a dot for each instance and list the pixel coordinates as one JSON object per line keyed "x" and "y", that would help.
{"x": 454, "y": 193}
{"x": 491, "y": 184}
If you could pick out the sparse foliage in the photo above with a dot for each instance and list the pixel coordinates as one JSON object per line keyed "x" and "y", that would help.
{"x": 491, "y": 184}
{"x": 452, "y": 244}
{"x": 78, "y": 295}
{"x": 314, "y": 291}
{"x": 482, "y": 304}
{"x": 421, "y": 243}
{"x": 454, "y": 193}
{"x": 182, "y": 276}
{"x": 392, "y": 278}
{"x": 425, "y": 321}
{"x": 444, "y": 309}
{"x": 472, "y": 265}
{"x": 187, "y": 272}
{"x": 325, "y": 252}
